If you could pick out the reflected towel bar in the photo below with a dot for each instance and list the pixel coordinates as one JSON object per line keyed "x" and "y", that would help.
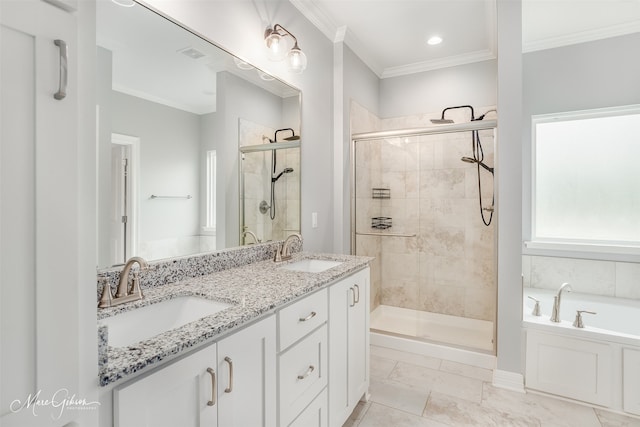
{"x": 386, "y": 234}
{"x": 153, "y": 196}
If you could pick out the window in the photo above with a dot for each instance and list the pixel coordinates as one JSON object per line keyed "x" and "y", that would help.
{"x": 586, "y": 180}
{"x": 210, "y": 219}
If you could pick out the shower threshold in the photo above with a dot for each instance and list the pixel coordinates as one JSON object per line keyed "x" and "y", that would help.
{"x": 461, "y": 332}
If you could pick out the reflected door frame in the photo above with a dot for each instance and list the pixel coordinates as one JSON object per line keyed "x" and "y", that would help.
{"x": 126, "y": 242}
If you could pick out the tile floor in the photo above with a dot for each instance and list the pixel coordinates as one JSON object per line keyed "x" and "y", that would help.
{"x": 410, "y": 390}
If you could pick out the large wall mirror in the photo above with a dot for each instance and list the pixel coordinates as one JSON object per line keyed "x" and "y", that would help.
{"x": 177, "y": 120}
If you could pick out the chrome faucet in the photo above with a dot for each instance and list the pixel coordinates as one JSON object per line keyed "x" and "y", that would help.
{"x": 252, "y": 234}
{"x": 555, "y": 312}
{"x": 123, "y": 292}
{"x": 283, "y": 253}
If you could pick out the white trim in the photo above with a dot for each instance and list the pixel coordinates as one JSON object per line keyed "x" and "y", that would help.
{"x": 211, "y": 181}
{"x": 508, "y": 380}
{"x": 134, "y": 175}
{"x": 159, "y": 100}
{"x": 435, "y": 64}
{"x": 581, "y": 37}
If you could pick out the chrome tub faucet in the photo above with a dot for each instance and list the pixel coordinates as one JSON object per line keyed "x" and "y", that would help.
{"x": 555, "y": 312}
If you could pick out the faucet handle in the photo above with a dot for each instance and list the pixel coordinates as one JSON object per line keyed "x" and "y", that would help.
{"x": 536, "y": 307}
{"x": 578, "y": 323}
{"x": 277, "y": 257}
{"x": 107, "y": 296}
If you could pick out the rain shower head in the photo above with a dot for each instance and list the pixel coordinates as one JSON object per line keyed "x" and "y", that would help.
{"x": 293, "y": 136}
{"x": 285, "y": 170}
{"x": 472, "y": 160}
{"x": 442, "y": 120}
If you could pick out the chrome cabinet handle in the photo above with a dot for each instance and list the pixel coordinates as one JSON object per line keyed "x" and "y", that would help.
{"x": 230, "y": 362}
{"x": 353, "y": 297}
{"x": 306, "y": 374}
{"x": 213, "y": 387}
{"x": 357, "y": 289}
{"x": 309, "y": 317}
{"x": 62, "y": 85}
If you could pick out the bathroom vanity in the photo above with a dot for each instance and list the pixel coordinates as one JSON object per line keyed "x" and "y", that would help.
{"x": 288, "y": 346}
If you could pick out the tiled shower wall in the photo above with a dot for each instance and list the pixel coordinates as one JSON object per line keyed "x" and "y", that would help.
{"x": 448, "y": 264}
{"x": 257, "y": 186}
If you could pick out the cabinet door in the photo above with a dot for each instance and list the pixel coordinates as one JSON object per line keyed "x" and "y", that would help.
{"x": 247, "y": 376}
{"x": 349, "y": 345}
{"x": 181, "y": 394}
{"x": 359, "y": 338}
{"x": 38, "y": 211}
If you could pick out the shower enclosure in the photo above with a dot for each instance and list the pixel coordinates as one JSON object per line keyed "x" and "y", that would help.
{"x": 415, "y": 208}
{"x": 269, "y": 191}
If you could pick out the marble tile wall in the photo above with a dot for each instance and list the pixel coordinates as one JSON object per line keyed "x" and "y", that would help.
{"x": 609, "y": 278}
{"x": 449, "y": 266}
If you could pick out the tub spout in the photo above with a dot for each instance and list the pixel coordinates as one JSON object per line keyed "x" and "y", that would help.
{"x": 555, "y": 312}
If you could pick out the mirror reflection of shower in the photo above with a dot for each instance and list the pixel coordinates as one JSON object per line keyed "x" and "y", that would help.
{"x": 286, "y": 170}
{"x": 477, "y": 158}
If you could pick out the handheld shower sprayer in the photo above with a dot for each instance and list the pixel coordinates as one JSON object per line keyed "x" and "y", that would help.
{"x": 286, "y": 170}
{"x": 472, "y": 160}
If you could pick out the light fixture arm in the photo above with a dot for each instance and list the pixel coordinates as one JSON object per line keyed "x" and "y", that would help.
{"x": 296, "y": 58}
{"x": 282, "y": 31}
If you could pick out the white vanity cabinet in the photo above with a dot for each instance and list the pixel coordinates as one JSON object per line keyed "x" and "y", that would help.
{"x": 230, "y": 383}
{"x": 348, "y": 345}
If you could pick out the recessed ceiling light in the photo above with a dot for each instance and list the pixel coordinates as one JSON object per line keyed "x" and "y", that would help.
{"x": 434, "y": 40}
{"x": 124, "y": 3}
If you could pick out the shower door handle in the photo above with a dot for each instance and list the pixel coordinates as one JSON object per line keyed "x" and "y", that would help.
{"x": 62, "y": 86}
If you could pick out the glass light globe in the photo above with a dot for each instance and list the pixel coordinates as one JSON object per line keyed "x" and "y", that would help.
{"x": 277, "y": 49}
{"x": 297, "y": 60}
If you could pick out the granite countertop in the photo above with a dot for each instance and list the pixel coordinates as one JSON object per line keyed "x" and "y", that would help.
{"x": 254, "y": 290}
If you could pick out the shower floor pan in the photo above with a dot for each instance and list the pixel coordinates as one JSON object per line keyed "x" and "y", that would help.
{"x": 434, "y": 327}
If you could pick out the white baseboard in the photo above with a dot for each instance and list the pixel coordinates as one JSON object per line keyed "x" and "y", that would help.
{"x": 508, "y": 380}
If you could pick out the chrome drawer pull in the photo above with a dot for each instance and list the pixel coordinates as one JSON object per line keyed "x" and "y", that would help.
{"x": 213, "y": 387}
{"x": 358, "y": 294}
{"x": 62, "y": 86}
{"x": 230, "y": 362}
{"x": 306, "y": 374}
{"x": 309, "y": 317}
{"x": 353, "y": 297}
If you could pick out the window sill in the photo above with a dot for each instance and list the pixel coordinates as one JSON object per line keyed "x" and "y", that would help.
{"x": 583, "y": 251}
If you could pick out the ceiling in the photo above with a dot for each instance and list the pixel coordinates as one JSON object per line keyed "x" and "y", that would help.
{"x": 390, "y": 35}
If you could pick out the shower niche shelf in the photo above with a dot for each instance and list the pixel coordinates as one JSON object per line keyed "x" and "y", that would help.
{"x": 381, "y": 223}
{"x": 380, "y": 193}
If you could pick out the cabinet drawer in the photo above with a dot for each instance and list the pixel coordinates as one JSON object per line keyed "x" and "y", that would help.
{"x": 300, "y": 318}
{"x": 302, "y": 374}
{"x": 314, "y": 415}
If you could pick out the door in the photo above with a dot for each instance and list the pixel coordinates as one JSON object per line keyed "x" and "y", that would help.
{"x": 247, "y": 380}
{"x": 38, "y": 211}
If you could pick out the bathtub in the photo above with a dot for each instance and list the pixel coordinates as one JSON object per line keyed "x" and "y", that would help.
{"x": 599, "y": 364}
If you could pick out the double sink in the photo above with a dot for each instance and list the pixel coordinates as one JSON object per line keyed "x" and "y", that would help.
{"x": 173, "y": 313}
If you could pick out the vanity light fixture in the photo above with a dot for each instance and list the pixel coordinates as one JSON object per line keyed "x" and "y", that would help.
{"x": 274, "y": 38}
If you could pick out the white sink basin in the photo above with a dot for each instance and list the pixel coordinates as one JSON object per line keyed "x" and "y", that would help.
{"x": 311, "y": 265}
{"x": 144, "y": 322}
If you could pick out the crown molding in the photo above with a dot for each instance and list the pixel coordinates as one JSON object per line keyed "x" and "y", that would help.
{"x": 581, "y": 37}
{"x": 318, "y": 18}
{"x": 435, "y": 64}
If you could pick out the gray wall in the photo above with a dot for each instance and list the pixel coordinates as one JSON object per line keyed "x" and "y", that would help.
{"x": 169, "y": 164}
{"x": 471, "y": 84}
{"x": 596, "y": 74}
